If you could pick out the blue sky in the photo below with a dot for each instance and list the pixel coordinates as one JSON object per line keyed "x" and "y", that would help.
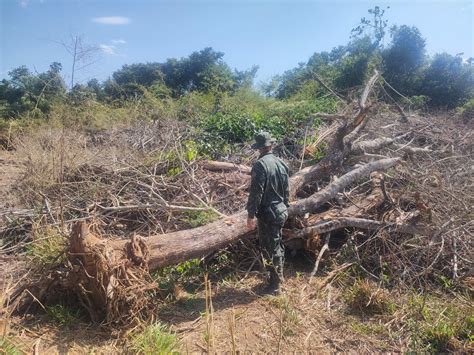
{"x": 274, "y": 34}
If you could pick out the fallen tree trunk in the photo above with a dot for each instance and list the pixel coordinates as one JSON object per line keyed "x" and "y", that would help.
{"x": 103, "y": 270}
{"x": 360, "y": 223}
{"x": 176, "y": 247}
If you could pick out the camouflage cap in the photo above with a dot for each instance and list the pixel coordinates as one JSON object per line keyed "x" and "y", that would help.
{"x": 262, "y": 140}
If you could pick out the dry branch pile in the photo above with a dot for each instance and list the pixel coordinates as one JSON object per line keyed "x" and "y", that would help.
{"x": 387, "y": 192}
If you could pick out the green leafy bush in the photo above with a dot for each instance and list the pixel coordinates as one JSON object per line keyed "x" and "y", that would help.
{"x": 239, "y": 123}
{"x": 200, "y": 218}
{"x": 467, "y": 110}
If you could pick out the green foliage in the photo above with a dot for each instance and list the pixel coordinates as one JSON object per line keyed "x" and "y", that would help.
{"x": 242, "y": 116}
{"x": 190, "y": 273}
{"x": 25, "y": 92}
{"x": 367, "y": 328}
{"x": 7, "y": 347}
{"x": 202, "y": 71}
{"x": 438, "y": 325}
{"x": 288, "y": 312}
{"x": 47, "y": 248}
{"x": 221, "y": 104}
{"x": 417, "y": 101}
{"x": 404, "y": 59}
{"x": 174, "y": 171}
{"x": 155, "y": 339}
{"x": 375, "y": 26}
{"x": 446, "y": 282}
{"x": 191, "y": 151}
{"x": 200, "y": 218}
{"x": 448, "y": 81}
{"x": 467, "y": 110}
{"x": 63, "y": 315}
{"x": 352, "y": 68}
{"x": 186, "y": 271}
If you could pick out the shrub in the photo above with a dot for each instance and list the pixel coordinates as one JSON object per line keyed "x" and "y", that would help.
{"x": 239, "y": 122}
{"x": 417, "y": 101}
{"x": 200, "y": 218}
{"x": 467, "y": 110}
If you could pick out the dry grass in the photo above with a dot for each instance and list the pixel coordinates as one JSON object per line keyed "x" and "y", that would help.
{"x": 367, "y": 298}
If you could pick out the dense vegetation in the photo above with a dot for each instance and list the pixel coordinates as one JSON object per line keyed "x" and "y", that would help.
{"x": 225, "y": 106}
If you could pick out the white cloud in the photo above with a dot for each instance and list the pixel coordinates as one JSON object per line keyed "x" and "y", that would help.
{"x": 107, "y": 49}
{"x": 24, "y": 3}
{"x": 112, "y": 20}
{"x": 119, "y": 41}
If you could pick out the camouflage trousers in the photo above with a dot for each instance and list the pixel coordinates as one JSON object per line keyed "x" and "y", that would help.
{"x": 270, "y": 239}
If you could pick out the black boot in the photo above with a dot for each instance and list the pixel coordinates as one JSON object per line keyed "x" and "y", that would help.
{"x": 273, "y": 287}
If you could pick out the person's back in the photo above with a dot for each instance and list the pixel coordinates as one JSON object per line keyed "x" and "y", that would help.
{"x": 275, "y": 172}
{"x": 268, "y": 201}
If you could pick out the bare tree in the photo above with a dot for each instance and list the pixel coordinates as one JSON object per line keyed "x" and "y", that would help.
{"x": 83, "y": 54}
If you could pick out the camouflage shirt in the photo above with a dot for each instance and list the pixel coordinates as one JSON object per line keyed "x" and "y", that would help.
{"x": 269, "y": 184}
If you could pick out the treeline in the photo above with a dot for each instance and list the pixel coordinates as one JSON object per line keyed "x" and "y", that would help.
{"x": 442, "y": 80}
{"x": 203, "y": 71}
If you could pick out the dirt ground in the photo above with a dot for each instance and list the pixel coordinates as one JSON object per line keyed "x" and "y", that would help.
{"x": 304, "y": 319}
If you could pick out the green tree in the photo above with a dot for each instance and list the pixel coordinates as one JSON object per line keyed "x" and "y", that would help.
{"x": 374, "y": 28}
{"x": 203, "y": 71}
{"x": 404, "y": 59}
{"x": 26, "y": 92}
{"x": 141, "y": 73}
{"x": 448, "y": 81}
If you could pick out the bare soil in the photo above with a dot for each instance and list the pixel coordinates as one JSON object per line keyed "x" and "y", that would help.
{"x": 303, "y": 320}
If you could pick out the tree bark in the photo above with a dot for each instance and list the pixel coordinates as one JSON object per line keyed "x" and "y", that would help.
{"x": 224, "y": 166}
{"x": 172, "y": 248}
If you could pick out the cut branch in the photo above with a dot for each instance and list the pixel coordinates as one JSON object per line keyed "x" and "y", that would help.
{"x": 313, "y": 202}
{"x": 224, "y": 166}
{"x": 360, "y": 223}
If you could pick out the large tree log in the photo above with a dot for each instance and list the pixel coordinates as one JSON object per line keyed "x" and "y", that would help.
{"x": 172, "y": 248}
{"x": 111, "y": 277}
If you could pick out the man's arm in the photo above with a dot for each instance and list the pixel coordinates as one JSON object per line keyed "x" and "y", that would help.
{"x": 286, "y": 187}
{"x": 257, "y": 188}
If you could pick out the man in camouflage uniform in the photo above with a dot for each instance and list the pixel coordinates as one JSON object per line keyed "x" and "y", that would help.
{"x": 268, "y": 202}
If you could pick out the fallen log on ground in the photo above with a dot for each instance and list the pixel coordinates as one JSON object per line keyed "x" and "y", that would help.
{"x": 173, "y": 248}
{"x": 100, "y": 264}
